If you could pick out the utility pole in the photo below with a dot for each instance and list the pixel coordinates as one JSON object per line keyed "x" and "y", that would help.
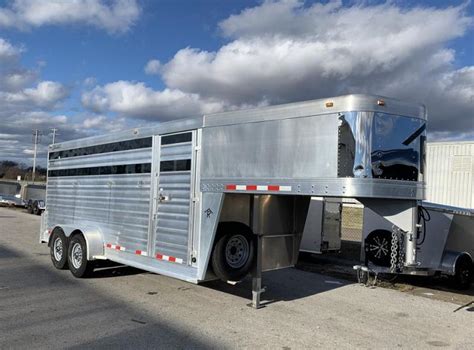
{"x": 54, "y": 132}
{"x": 36, "y": 138}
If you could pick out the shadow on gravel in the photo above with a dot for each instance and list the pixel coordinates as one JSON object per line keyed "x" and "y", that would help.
{"x": 7, "y": 253}
{"x": 51, "y": 309}
{"x": 340, "y": 265}
{"x": 107, "y": 269}
{"x": 282, "y": 285}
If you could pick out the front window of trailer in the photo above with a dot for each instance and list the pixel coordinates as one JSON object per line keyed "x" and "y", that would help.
{"x": 381, "y": 145}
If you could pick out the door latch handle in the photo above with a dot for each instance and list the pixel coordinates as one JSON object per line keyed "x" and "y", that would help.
{"x": 163, "y": 198}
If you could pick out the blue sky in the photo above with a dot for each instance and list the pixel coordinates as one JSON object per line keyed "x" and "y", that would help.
{"x": 432, "y": 61}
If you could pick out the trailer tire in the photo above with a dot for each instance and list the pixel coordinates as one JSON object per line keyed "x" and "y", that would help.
{"x": 36, "y": 209}
{"x": 378, "y": 247}
{"x": 79, "y": 266}
{"x": 234, "y": 252}
{"x": 58, "y": 250}
{"x": 463, "y": 272}
{"x": 30, "y": 207}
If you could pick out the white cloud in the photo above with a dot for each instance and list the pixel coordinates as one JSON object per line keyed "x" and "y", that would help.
{"x": 8, "y": 51}
{"x": 153, "y": 67}
{"x": 135, "y": 99}
{"x": 46, "y": 94}
{"x": 113, "y": 16}
{"x": 282, "y": 51}
{"x": 94, "y": 122}
{"x": 89, "y": 81}
{"x": 27, "y": 103}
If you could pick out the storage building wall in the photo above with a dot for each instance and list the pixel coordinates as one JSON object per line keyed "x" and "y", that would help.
{"x": 449, "y": 173}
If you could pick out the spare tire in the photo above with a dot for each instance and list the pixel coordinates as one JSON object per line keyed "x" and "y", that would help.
{"x": 378, "y": 247}
{"x": 234, "y": 251}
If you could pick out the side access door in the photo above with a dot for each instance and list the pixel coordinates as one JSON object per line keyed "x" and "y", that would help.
{"x": 173, "y": 204}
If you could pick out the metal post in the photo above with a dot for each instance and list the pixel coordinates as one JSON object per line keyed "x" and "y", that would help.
{"x": 35, "y": 142}
{"x": 257, "y": 289}
{"x": 410, "y": 239}
{"x": 54, "y": 132}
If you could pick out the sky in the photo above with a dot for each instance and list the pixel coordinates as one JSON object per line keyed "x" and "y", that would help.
{"x": 89, "y": 67}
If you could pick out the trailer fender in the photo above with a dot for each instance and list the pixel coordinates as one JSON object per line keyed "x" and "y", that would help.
{"x": 449, "y": 260}
{"x": 92, "y": 235}
{"x": 210, "y": 214}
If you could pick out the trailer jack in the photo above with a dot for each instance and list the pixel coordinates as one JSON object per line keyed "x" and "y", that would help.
{"x": 257, "y": 288}
{"x": 366, "y": 276}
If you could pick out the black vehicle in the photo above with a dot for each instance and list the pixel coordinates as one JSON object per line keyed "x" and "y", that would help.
{"x": 35, "y": 206}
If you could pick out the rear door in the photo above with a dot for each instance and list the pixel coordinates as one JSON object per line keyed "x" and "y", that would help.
{"x": 173, "y": 197}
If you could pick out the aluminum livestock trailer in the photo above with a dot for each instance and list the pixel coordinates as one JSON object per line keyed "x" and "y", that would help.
{"x": 227, "y": 194}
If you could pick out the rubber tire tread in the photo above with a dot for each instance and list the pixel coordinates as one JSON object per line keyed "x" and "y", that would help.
{"x": 464, "y": 262}
{"x": 87, "y": 267}
{"x": 219, "y": 265}
{"x": 63, "y": 263}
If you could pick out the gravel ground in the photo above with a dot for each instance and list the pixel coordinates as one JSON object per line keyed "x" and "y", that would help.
{"x": 122, "y": 307}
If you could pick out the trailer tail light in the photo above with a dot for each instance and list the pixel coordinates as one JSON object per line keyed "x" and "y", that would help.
{"x": 381, "y": 102}
{"x": 329, "y": 104}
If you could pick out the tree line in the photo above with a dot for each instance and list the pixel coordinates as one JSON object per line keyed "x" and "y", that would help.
{"x": 10, "y": 170}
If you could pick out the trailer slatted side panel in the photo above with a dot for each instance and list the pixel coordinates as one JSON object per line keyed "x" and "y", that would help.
{"x": 450, "y": 173}
{"x": 118, "y": 203}
{"x": 172, "y": 225}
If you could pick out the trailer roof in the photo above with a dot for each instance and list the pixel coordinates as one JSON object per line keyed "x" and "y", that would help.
{"x": 354, "y": 102}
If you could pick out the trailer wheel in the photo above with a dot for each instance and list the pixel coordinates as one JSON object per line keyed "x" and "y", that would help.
{"x": 463, "y": 272}
{"x": 77, "y": 257}
{"x": 58, "y": 250}
{"x": 30, "y": 207}
{"x": 36, "y": 209}
{"x": 234, "y": 252}
{"x": 378, "y": 247}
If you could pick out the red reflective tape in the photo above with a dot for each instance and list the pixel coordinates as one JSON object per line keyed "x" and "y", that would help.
{"x": 231, "y": 187}
{"x": 251, "y": 187}
{"x": 273, "y": 188}
{"x": 109, "y": 245}
{"x": 117, "y": 247}
{"x": 139, "y": 252}
{"x": 172, "y": 259}
{"x": 159, "y": 256}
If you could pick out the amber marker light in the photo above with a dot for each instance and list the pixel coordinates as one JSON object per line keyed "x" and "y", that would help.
{"x": 381, "y": 102}
{"x": 329, "y": 104}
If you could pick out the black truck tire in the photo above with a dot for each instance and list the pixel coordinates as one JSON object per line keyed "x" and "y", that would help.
{"x": 234, "y": 251}
{"x": 58, "y": 250}
{"x": 79, "y": 266}
{"x": 464, "y": 271}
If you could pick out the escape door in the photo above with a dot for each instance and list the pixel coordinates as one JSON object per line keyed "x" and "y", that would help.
{"x": 173, "y": 194}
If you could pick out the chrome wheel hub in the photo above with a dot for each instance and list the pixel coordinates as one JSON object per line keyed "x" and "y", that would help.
{"x": 76, "y": 255}
{"x": 58, "y": 249}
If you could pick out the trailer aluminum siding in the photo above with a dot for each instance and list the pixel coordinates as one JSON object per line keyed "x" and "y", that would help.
{"x": 450, "y": 173}
{"x": 152, "y": 197}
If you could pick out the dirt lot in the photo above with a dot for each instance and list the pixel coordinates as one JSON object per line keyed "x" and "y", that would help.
{"x": 121, "y": 307}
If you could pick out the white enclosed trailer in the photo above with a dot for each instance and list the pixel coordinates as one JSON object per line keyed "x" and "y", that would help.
{"x": 228, "y": 194}
{"x": 445, "y": 243}
{"x": 450, "y": 173}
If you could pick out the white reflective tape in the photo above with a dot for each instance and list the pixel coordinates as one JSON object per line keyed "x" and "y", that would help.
{"x": 285, "y": 188}
{"x": 262, "y": 188}
{"x": 241, "y": 188}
